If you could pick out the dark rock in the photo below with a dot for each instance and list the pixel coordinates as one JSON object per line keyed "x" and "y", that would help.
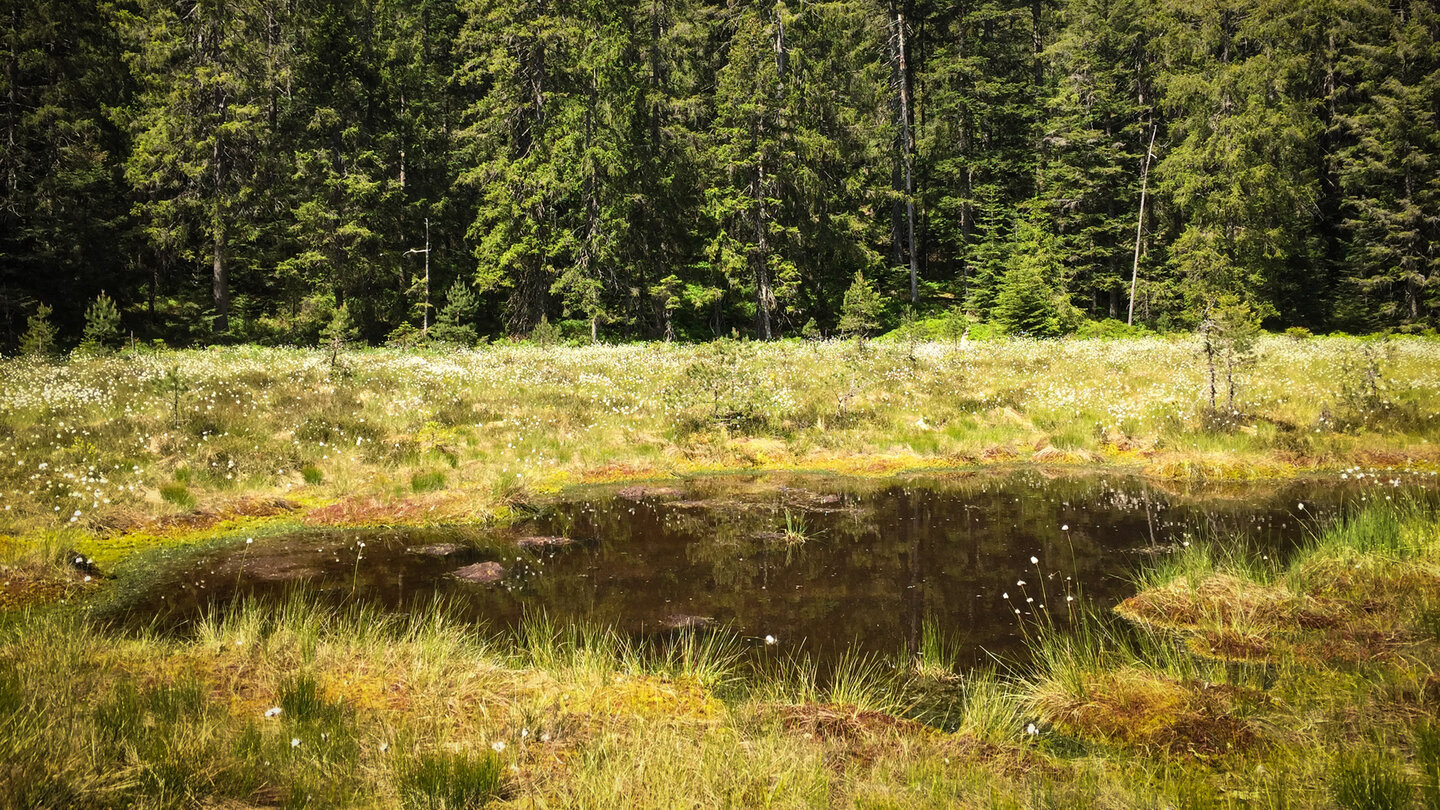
{"x": 484, "y": 573}
{"x": 280, "y": 569}
{"x": 436, "y": 550}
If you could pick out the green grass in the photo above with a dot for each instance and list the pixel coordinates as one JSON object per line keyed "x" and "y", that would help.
{"x": 427, "y": 481}
{"x": 449, "y": 780}
{"x": 512, "y": 419}
{"x": 418, "y": 710}
{"x": 1227, "y": 681}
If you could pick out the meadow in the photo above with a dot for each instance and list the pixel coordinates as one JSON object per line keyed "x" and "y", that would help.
{"x": 1228, "y": 680}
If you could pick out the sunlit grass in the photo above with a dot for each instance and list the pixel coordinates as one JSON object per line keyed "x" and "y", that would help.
{"x": 296, "y": 702}
{"x": 1229, "y": 680}
{"x": 95, "y": 442}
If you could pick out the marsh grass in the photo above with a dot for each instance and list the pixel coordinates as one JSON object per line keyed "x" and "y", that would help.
{"x": 411, "y": 710}
{"x": 449, "y": 780}
{"x": 1369, "y": 780}
{"x": 1228, "y": 681}
{"x": 100, "y": 436}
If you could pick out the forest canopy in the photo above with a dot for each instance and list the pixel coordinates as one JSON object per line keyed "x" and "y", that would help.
{"x": 259, "y": 170}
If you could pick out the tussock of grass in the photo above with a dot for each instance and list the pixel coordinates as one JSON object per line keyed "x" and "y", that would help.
{"x": 1359, "y": 590}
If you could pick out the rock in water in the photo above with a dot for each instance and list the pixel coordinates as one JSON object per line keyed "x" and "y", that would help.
{"x": 436, "y": 550}
{"x": 636, "y": 493}
{"x": 685, "y": 621}
{"x": 485, "y": 573}
{"x": 542, "y": 541}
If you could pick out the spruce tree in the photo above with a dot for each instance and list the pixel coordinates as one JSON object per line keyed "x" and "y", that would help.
{"x": 1389, "y": 169}
{"x": 861, "y": 311}
{"x": 1030, "y": 299}
{"x": 39, "y": 337}
{"x": 456, "y": 323}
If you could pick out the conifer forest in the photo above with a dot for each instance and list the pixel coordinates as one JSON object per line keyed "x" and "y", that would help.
{"x": 244, "y": 170}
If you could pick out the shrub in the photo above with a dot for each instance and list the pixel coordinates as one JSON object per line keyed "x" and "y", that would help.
{"x": 178, "y": 494}
{"x": 1109, "y": 329}
{"x": 39, "y": 337}
{"x": 545, "y": 333}
{"x": 861, "y": 309}
{"x": 456, "y": 323}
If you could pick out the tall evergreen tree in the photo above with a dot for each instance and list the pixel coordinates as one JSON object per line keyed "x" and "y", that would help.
{"x": 63, "y": 202}
{"x": 1239, "y": 171}
{"x": 1389, "y": 169}
{"x": 201, "y": 129}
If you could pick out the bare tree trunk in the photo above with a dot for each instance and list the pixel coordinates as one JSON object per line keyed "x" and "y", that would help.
{"x": 764, "y": 296}
{"x": 908, "y": 148}
{"x": 1140, "y": 225}
{"x": 219, "y": 280}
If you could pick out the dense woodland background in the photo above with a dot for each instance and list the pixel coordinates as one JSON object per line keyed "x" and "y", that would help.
{"x": 236, "y": 169}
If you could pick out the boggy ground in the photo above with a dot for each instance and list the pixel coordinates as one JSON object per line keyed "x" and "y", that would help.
{"x": 1226, "y": 681}
{"x": 107, "y": 454}
{"x": 1223, "y": 682}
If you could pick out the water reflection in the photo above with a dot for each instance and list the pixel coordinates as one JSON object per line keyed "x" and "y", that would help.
{"x": 819, "y": 563}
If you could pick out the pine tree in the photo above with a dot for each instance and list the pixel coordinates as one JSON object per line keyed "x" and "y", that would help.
{"x": 1241, "y": 170}
{"x": 1099, "y": 120}
{"x": 1030, "y": 299}
{"x": 1389, "y": 169}
{"x": 200, "y": 129}
{"x": 338, "y": 333}
{"x": 102, "y": 324}
{"x": 63, "y": 205}
{"x": 979, "y": 106}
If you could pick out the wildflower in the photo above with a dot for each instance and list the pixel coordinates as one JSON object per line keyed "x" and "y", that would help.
{"x": 1069, "y": 599}
{"x": 273, "y": 711}
{"x": 1034, "y": 560}
{"x": 1020, "y": 582}
{"x": 1005, "y": 595}
{"x": 1302, "y": 505}
{"x": 769, "y": 639}
{"x": 1065, "y": 527}
{"x": 384, "y": 746}
{"x": 294, "y": 742}
{"x": 498, "y": 746}
{"x": 1032, "y": 730}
